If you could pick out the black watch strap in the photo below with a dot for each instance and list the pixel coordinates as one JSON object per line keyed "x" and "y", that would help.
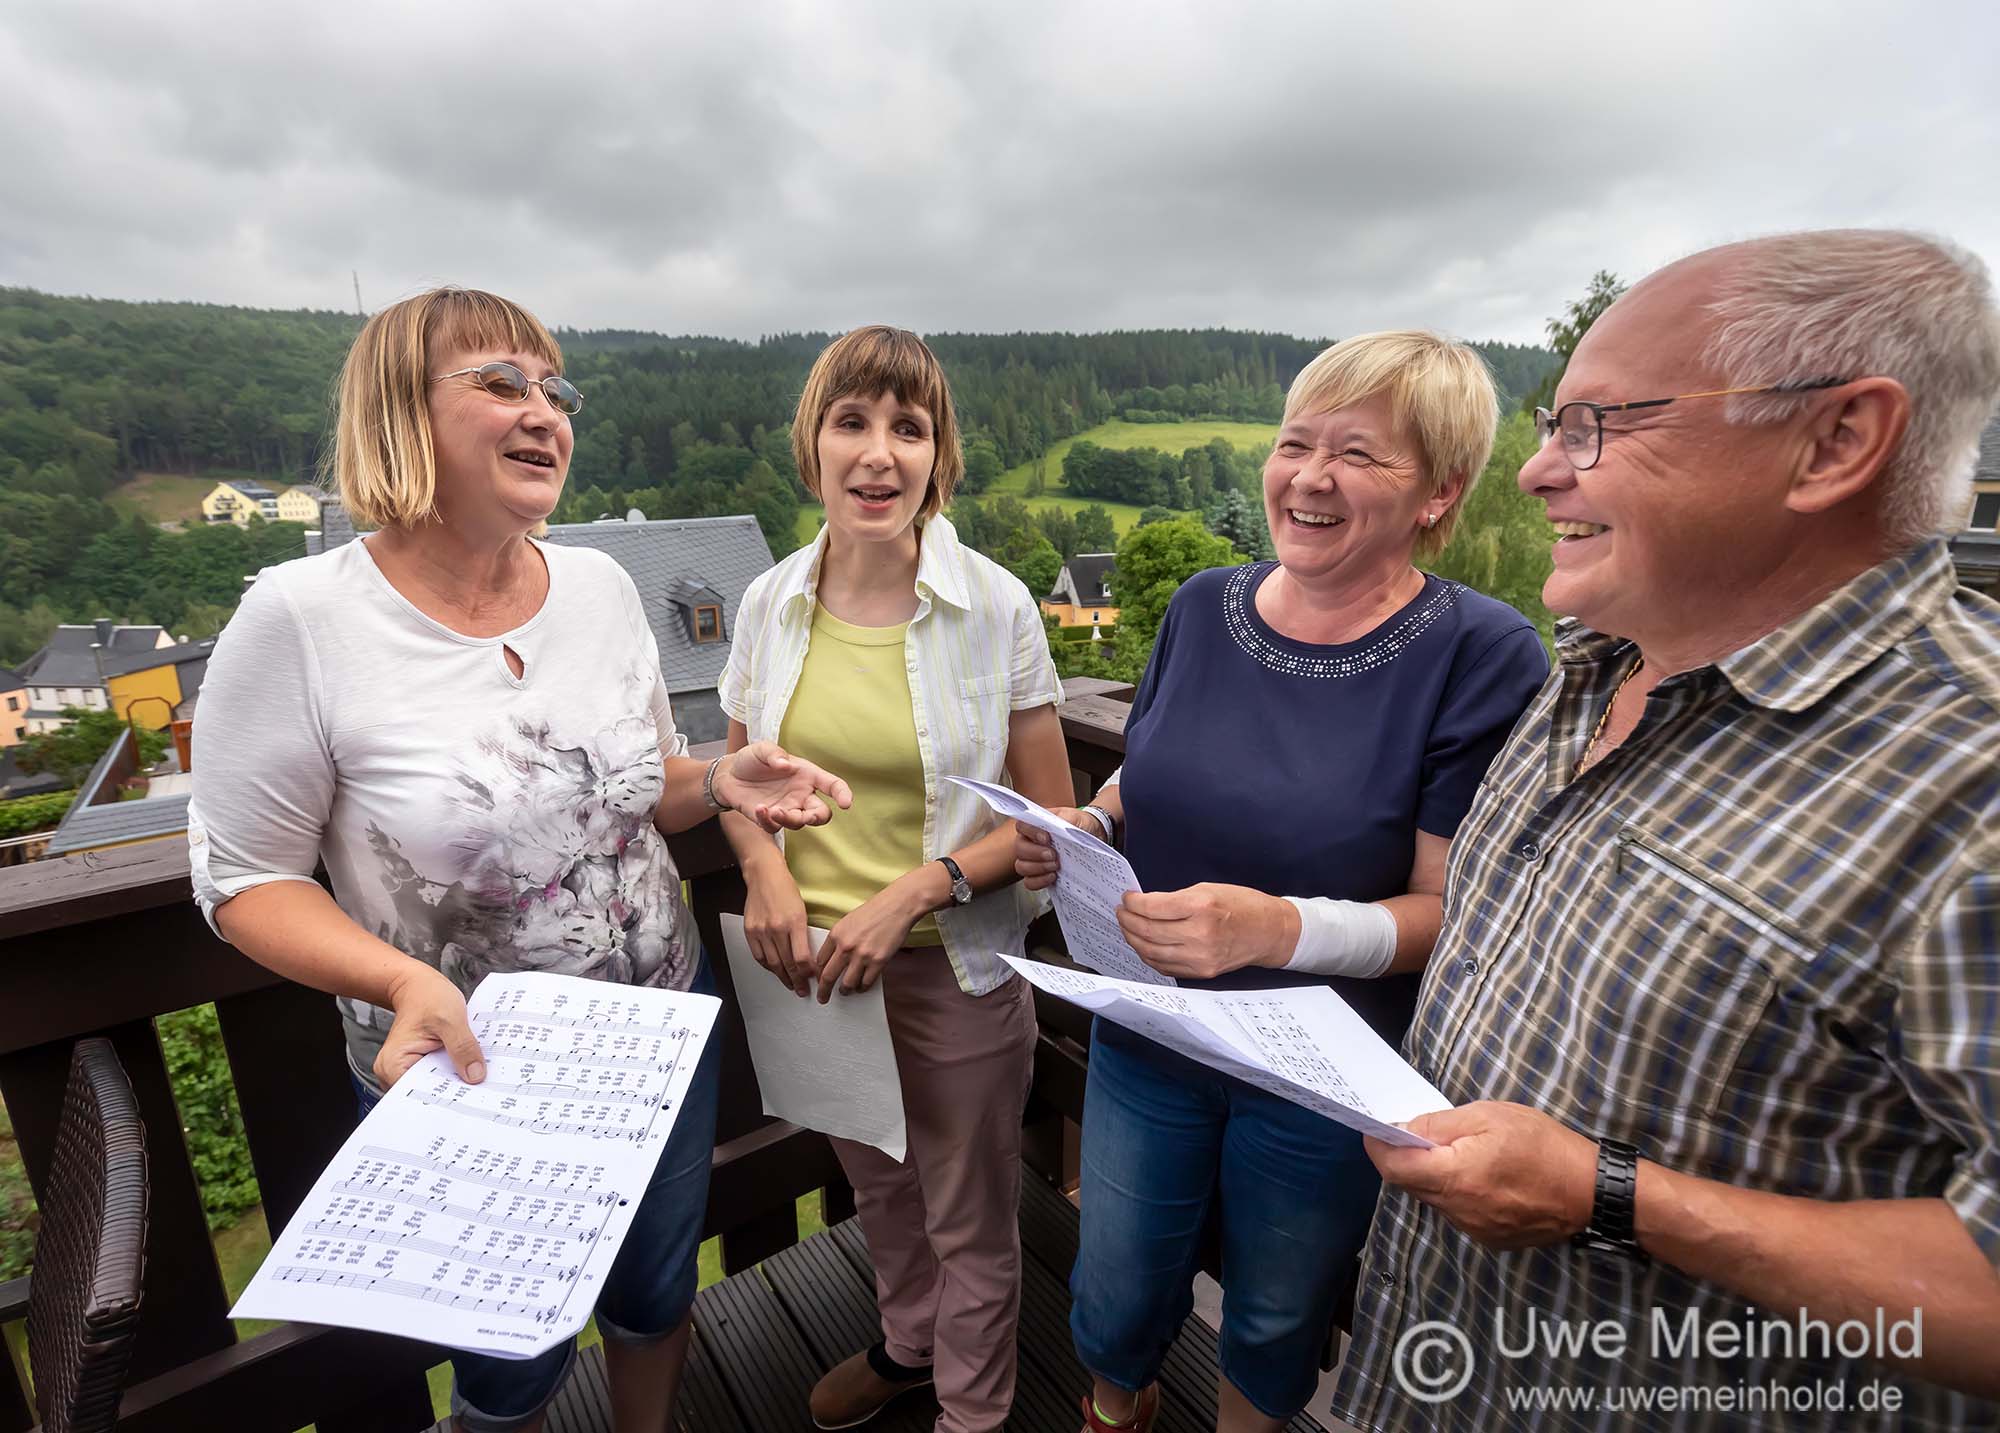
{"x": 1611, "y": 1229}
{"x": 961, "y": 889}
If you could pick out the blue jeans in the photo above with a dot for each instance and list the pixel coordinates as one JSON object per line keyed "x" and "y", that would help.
{"x": 651, "y": 1285}
{"x": 1164, "y": 1138}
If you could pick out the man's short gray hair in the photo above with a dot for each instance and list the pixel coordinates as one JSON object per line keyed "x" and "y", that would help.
{"x": 1865, "y": 303}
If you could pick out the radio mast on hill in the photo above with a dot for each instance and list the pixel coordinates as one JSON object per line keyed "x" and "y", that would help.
{"x": 359, "y": 312}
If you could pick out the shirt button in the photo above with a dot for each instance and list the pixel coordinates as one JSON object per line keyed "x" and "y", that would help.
{"x": 1384, "y": 1279}
{"x": 1527, "y": 850}
{"x": 1469, "y": 966}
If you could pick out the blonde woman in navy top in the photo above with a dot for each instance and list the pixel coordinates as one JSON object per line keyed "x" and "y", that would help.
{"x": 1306, "y": 739}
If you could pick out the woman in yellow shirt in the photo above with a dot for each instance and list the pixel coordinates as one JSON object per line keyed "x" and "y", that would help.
{"x": 891, "y": 653}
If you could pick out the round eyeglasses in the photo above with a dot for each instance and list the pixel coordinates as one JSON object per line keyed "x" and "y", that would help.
{"x": 509, "y": 384}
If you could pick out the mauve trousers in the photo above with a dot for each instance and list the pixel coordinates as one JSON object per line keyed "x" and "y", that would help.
{"x": 942, "y": 1227}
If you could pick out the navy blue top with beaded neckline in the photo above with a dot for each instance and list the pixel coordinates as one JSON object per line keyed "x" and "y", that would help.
{"x": 1304, "y": 769}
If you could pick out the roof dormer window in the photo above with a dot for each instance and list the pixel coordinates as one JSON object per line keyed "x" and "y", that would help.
{"x": 700, "y": 609}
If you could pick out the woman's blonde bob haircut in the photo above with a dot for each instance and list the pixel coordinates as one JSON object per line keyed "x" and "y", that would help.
{"x": 869, "y": 362}
{"x": 1440, "y": 396}
{"x": 382, "y": 463}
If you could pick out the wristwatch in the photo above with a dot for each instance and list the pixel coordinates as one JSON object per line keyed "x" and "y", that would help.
{"x": 961, "y": 889}
{"x": 1610, "y": 1230}
{"x": 1104, "y": 819}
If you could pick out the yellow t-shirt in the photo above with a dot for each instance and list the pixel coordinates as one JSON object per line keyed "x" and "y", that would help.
{"x": 851, "y": 714}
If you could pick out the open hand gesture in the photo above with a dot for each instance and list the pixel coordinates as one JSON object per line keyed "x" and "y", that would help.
{"x": 778, "y": 791}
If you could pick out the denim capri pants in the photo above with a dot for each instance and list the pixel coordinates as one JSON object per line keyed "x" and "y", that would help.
{"x": 1166, "y": 1139}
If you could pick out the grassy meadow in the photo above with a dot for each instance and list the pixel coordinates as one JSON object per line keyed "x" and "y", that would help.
{"x": 172, "y": 497}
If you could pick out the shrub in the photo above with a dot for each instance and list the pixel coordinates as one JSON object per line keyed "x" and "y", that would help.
{"x": 198, "y": 1066}
{"x": 33, "y": 813}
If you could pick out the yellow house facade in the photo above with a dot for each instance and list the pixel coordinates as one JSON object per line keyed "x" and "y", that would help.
{"x": 240, "y": 501}
{"x": 1082, "y": 595}
{"x": 147, "y": 697}
{"x": 302, "y": 504}
{"x": 146, "y": 689}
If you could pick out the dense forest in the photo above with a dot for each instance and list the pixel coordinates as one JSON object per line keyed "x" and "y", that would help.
{"x": 95, "y": 391}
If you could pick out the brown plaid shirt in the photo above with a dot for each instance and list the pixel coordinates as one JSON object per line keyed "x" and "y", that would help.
{"x": 1760, "y": 941}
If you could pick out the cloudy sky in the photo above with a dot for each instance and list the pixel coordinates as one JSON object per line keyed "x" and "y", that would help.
{"x": 745, "y": 168}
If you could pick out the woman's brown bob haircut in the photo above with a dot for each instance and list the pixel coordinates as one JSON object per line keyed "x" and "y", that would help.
{"x": 872, "y": 361}
{"x": 382, "y": 463}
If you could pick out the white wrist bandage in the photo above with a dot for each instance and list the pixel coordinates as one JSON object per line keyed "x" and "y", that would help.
{"x": 1354, "y": 938}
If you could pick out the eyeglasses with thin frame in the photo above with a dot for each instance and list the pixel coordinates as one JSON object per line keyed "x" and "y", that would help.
{"x": 1581, "y": 424}
{"x": 509, "y": 384}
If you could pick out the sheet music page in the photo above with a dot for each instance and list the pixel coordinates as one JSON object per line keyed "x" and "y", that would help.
{"x": 1304, "y": 1044}
{"x": 1313, "y": 1043}
{"x": 830, "y": 1067}
{"x": 1165, "y": 1015}
{"x": 1091, "y": 882}
{"x": 486, "y": 1216}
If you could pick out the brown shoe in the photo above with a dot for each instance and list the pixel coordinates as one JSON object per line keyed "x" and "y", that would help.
{"x": 1141, "y": 1421}
{"x": 856, "y": 1389}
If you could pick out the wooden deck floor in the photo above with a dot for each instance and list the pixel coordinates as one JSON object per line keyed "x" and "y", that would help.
{"x": 764, "y": 1337}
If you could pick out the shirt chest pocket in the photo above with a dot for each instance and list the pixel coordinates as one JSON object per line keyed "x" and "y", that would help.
{"x": 985, "y": 705}
{"x": 759, "y": 720}
{"x": 1692, "y": 969}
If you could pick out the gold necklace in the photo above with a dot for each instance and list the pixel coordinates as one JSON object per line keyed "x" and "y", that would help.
{"x": 1583, "y": 762}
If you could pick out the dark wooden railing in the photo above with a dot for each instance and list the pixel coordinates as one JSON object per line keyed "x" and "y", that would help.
{"x": 104, "y": 942}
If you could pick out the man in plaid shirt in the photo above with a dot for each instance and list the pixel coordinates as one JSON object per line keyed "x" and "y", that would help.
{"x": 1718, "y": 994}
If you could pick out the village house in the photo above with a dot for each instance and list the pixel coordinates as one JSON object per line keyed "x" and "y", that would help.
{"x": 13, "y": 708}
{"x": 154, "y": 689}
{"x": 71, "y": 668}
{"x": 238, "y": 500}
{"x": 1082, "y": 594}
{"x": 304, "y": 503}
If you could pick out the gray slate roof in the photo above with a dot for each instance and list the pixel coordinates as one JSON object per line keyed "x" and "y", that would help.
{"x": 67, "y": 661}
{"x": 115, "y": 821}
{"x": 1988, "y": 468}
{"x": 160, "y": 657}
{"x": 1088, "y": 571}
{"x": 249, "y": 488}
{"x": 10, "y": 680}
{"x": 669, "y": 558}
{"x": 192, "y": 674}
{"x": 87, "y": 826}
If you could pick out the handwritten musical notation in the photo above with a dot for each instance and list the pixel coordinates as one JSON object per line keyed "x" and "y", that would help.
{"x": 485, "y": 1216}
{"x": 1303, "y": 1044}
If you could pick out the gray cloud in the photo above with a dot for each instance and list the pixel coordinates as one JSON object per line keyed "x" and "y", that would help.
{"x": 1314, "y": 168}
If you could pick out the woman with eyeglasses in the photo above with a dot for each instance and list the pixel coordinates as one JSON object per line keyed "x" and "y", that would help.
{"x": 470, "y": 729}
{"x": 1306, "y": 738}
